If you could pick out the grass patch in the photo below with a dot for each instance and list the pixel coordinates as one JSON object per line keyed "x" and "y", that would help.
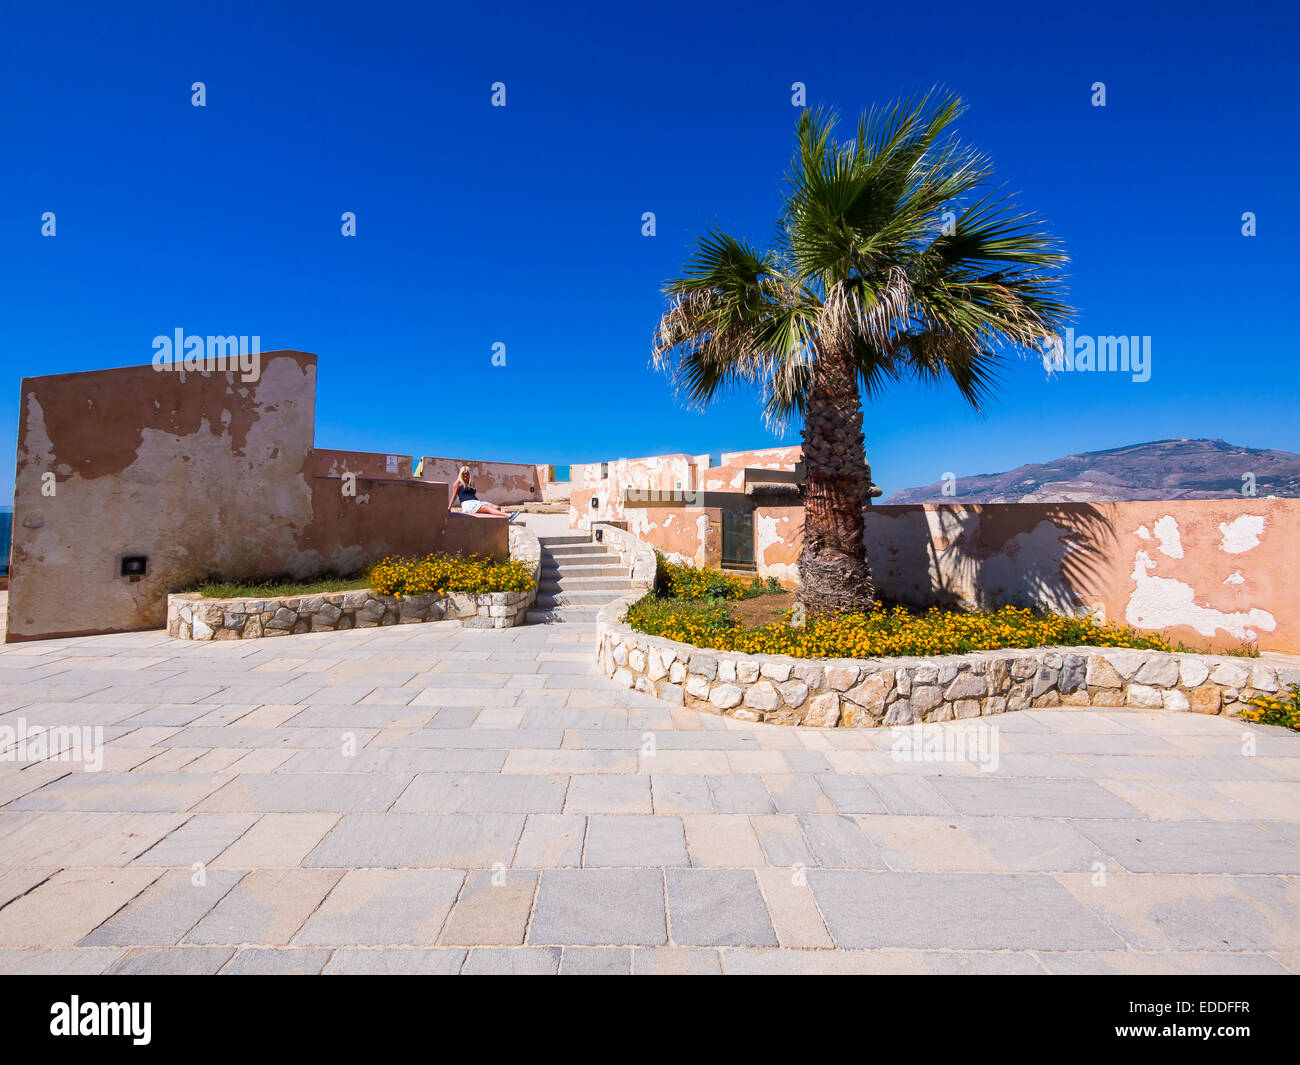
{"x": 882, "y": 632}
{"x": 278, "y": 587}
{"x": 1246, "y": 649}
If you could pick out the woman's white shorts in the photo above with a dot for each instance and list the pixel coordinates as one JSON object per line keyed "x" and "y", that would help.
{"x": 471, "y": 506}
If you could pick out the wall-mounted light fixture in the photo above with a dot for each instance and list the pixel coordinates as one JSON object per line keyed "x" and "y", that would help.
{"x": 595, "y": 502}
{"x": 600, "y": 534}
{"x": 134, "y": 566}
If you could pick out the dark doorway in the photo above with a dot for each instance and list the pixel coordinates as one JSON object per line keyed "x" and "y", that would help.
{"x": 738, "y": 539}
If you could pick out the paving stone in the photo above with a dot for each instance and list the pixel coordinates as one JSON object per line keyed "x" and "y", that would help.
{"x": 383, "y": 907}
{"x": 741, "y": 794}
{"x": 793, "y": 910}
{"x": 837, "y": 842}
{"x": 464, "y": 841}
{"x": 978, "y": 844}
{"x": 675, "y": 961}
{"x": 822, "y": 962}
{"x": 440, "y": 962}
{"x": 69, "y": 905}
{"x": 634, "y": 841}
{"x": 782, "y": 841}
{"x": 608, "y": 795}
{"x": 850, "y": 794}
{"x": 1192, "y": 847}
{"x": 681, "y": 794}
{"x": 520, "y": 961}
{"x": 463, "y": 743}
{"x": 78, "y": 961}
{"x": 498, "y": 793}
{"x": 492, "y": 909}
{"x": 307, "y": 793}
{"x": 979, "y": 912}
{"x": 275, "y": 841}
{"x": 103, "y": 792}
{"x": 599, "y": 907}
{"x": 596, "y": 961}
{"x": 270, "y": 961}
{"x": 167, "y": 909}
{"x": 722, "y": 841}
{"x": 551, "y": 841}
{"x": 717, "y": 907}
{"x": 268, "y": 906}
{"x": 172, "y": 961}
{"x": 1192, "y": 912}
{"x": 1133, "y": 963}
{"x": 997, "y": 797}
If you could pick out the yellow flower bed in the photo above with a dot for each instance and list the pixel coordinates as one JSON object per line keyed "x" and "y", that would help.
{"x": 1272, "y": 710}
{"x": 681, "y": 580}
{"x": 881, "y": 632}
{"x": 440, "y": 574}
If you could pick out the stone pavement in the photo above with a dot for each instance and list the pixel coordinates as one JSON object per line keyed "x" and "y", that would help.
{"x": 428, "y": 798}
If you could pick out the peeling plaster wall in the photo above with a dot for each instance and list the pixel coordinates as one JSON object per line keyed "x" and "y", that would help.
{"x": 1209, "y": 573}
{"x": 200, "y": 472}
{"x": 684, "y": 534}
{"x": 497, "y": 482}
{"x": 204, "y": 474}
{"x": 690, "y": 473}
{"x": 778, "y": 539}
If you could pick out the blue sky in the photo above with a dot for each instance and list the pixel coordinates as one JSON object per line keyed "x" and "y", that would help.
{"x": 522, "y": 225}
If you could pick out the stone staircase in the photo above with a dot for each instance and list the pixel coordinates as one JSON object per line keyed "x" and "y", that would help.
{"x": 577, "y": 578}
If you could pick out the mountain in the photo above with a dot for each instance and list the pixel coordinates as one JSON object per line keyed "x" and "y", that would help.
{"x": 1161, "y": 469}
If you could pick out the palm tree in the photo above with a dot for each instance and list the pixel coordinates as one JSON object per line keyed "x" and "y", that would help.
{"x": 891, "y": 260}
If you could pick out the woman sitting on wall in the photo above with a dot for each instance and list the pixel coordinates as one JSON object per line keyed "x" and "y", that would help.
{"x": 469, "y": 501}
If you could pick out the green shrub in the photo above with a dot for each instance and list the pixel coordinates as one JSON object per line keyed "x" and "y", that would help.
{"x": 684, "y": 581}
{"x": 1275, "y": 710}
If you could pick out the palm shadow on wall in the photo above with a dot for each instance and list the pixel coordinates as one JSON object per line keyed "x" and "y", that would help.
{"x": 1048, "y": 556}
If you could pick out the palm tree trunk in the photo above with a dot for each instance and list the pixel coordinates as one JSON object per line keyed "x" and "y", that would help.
{"x": 833, "y": 571}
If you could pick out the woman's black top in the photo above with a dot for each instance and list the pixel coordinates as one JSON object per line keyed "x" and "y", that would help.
{"x": 463, "y": 493}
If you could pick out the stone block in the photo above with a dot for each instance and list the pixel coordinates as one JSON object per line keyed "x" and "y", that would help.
{"x": 823, "y": 710}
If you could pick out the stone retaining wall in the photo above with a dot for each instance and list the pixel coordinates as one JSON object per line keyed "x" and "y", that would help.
{"x": 636, "y": 554}
{"x": 899, "y": 691}
{"x": 192, "y": 617}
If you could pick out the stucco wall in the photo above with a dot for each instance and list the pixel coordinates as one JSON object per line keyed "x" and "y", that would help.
{"x": 496, "y": 482}
{"x": 1207, "y": 572}
{"x": 689, "y": 534}
{"x": 206, "y": 475}
{"x": 778, "y": 540}
{"x": 688, "y": 473}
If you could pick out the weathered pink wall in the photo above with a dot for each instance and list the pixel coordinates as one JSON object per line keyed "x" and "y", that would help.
{"x": 778, "y": 540}
{"x": 208, "y": 476}
{"x": 689, "y": 473}
{"x": 1206, "y": 572}
{"x": 691, "y": 534}
{"x": 496, "y": 482}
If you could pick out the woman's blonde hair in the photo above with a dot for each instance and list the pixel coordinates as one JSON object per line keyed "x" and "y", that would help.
{"x": 464, "y": 478}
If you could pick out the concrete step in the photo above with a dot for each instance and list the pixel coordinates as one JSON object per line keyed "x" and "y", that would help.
{"x": 620, "y": 585}
{"x": 550, "y": 541}
{"x": 578, "y": 561}
{"x": 574, "y": 550}
{"x": 546, "y": 600}
{"x": 554, "y": 572}
{"x": 584, "y": 615}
